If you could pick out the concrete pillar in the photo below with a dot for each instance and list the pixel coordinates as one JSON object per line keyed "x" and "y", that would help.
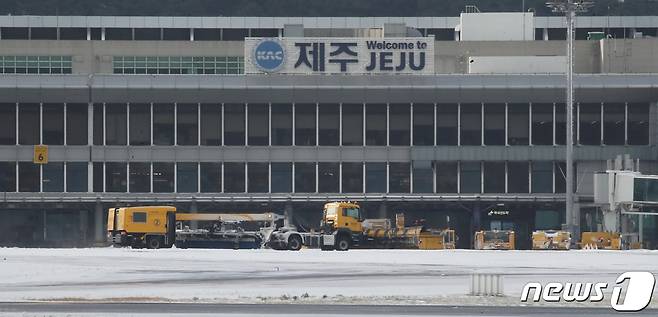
{"x": 544, "y": 33}
{"x": 99, "y": 228}
{"x": 288, "y": 214}
{"x": 576, "y": 220}
{"x": 193, "y": 209}
{"x": 476, "y": 222}
{"x": 383, "y": 210}
{"x": 83, "y": 227}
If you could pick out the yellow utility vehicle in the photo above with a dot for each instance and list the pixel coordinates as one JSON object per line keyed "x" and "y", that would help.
{"x": 157, "y": 227}
{"x": 551, "y": 240}
{"x": 494, "y": 240}
{"x": 343, "y": 227}
{"x": 601, "y": 240}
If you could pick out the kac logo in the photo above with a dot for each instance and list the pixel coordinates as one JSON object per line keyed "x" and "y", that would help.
{"x": 269, "y": 55}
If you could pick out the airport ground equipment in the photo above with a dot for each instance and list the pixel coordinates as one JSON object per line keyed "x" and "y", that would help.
{"x": 601, "y": 240}
{"x": 551, "y": 240}
{"x": 343, "y": 227}
{"x": 494, "y": 240}
{"x": 157, "y": 227}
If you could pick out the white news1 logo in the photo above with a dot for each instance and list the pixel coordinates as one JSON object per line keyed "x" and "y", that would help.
{"x": 639, "y": 291}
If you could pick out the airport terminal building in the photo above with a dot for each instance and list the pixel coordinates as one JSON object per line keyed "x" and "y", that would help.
{"x": 459, "y": 121}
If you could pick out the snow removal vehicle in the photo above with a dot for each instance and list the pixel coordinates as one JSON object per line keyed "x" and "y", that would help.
{"x": 157, "y": 227}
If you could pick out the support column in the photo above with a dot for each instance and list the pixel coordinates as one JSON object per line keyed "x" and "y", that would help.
{"x": 288, "y": 214}
{"x": 545, "y": 34}
{"x": 99, "y": 232}
{"x": 83, "y": 218}
{"x": 476, "y": 222}
{"x": 193, "y": 209}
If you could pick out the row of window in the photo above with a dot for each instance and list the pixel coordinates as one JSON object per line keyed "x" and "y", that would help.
{"x": 323, "y": 124}
{"x": 178, "y": 65}
{"x": 208, "y": 34}
{"x": 36, "y": 65}
{"x": 238, "y": 177}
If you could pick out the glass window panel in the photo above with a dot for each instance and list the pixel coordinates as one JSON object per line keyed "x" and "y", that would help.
{"x": 375, "y": 124}
{"x": 258, "y": 177}
{"x": 590, "y": 124}
{"x": 494, "y": 124}
{"x": 281, "y": 177}
{"x": 163, "y": 177}
{"x": 258, "y": 124}
{"x": 187, "y": 177}
{"x": 399, "y": 178}
{"x": 28, "y": 177}
{"x": 400, "y": 121}
{"x": 211, "y": 124}
{"x": 352, "y": 177}
{"x": 518, "y": 177}
{"x": 140, "y": 124}
{"x": 423, "y": 124}
{"x": 561, "y": 123}
{"x": 638, "y": 124}
{"x": 7, "y": 176}
{"x": 329, "y": 123}
{"x": 179, "y": 34}
{"x": 163, "y": 124}
{"x": 187, "y": 124}
{"x": 353, "y": 124}
{"x": 375, "y": 177}
{"x": 76, "y": 176}
{"x": 471, "y": 124}
{"x": 470, "y": 177}
{"x": 98, "y": 177}
{"x": 446, "y": 177}
{"x": 147, "y": 34}
{"x": 422, "y": 175}
{"x": 73, "y": 33}
{"x": 234, "y": 178}
{"x": 282, "y": 124}
{"x": 211, "y": 177}
{"x": 614, "y": 116}
{"x": 305, "y": 177}
{"x": 518, "y": 123}
{"x": 234, "y": 124}
{"x": 560, "y": 177}
{"x": 542, "y": 177}
{"x": 140, "y": 177}
{"x": 115, "y": 124}
{"x": 207, "y": 34}
{"x": 53, "y": 123}
{"x": 328, "y": 177}
{"x": 446, "y": 124}
{"x": 7, "y": 123}
{"x": 76, "y": 124}
{"x": 542, "y": 123}
{"x": 494, "y": 177}
{"x": 305, "y": 124}
{"x": 118, "y": 34}
{"x": 53, "y": 177}
{"x": 28, "y": 124}
{"x": 115, "y": 177}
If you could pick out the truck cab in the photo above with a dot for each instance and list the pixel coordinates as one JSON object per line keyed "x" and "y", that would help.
{"x": 343, "y": 221}
{"x": 147, "y": 226}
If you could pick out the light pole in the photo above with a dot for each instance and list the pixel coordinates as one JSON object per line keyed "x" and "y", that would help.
{"x": 570, "y": 8}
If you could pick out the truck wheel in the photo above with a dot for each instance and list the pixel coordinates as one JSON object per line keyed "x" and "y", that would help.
{"x": 153, "y": 243}
{"x": 342, "y": 243}
{"x": 294, "y": 243}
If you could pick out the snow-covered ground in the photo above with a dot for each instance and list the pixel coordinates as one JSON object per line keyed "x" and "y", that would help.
{"x": 356, "y": 276}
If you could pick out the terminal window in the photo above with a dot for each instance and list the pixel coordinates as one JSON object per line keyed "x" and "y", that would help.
{"x": 221, "y": 65}
{"x": 36, "y": 64}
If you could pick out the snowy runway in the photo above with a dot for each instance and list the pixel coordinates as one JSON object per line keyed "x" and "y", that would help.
{"x": 356, "y": 276}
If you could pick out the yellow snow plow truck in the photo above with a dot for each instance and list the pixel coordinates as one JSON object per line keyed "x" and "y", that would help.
{"x": 551, "y": 240}
{"x": 343, "y": 228}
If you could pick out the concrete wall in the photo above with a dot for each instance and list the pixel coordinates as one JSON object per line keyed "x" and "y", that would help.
{"x": 497, "y": 26}
{"x": 629, "y": 55}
